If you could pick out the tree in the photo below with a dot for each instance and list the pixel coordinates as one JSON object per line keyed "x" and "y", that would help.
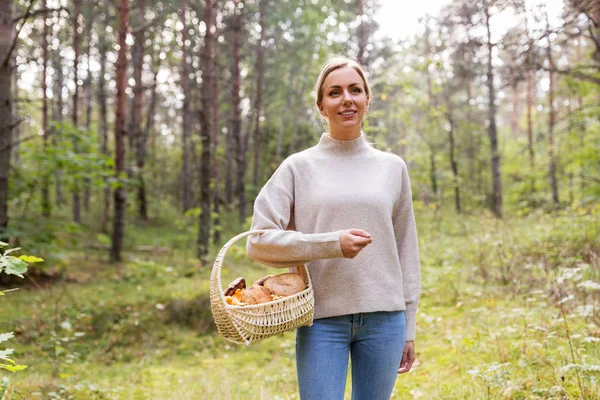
{"x": 120, "y": 135}
{"x": 7, "y": 37}
{"x": 492, "y": 131}
{"x": 76, "y": 198}
{"x": 186, "y": 171}
{"x": 46, "y": 181}
{"x": 206, "y": 121}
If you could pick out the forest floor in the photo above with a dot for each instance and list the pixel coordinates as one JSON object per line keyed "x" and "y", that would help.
{"x": 509, "y": 309}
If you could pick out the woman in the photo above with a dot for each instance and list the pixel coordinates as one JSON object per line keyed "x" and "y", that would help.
{"x": 345, "y": 209}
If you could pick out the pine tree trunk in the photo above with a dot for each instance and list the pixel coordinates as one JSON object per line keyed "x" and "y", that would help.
{"x": 136, "y": 118}
{"x": 453, "y": 163}
{"x": 260, "y": 56}
{"x": 551, "y": 120}
{"x": 186, "y": 175}
{"x": 76, "y": 198}
{"x": 57, "y": 92}
{"x": 361, "y": 33}
{"x": 45, "y": 201}
{"x": 216, "y": 173}
{"x": 6, "y": 37}
{"x": 120, "y": 135}
{"x": 16, "y": 131}
{"x": 87, "y": 184}
{"x": 206, "y": 121}
{"x": 492, "y": 132}
{"x": 103, "y": 124}
{"x": 514, "y": 115}
{"x": 236, "y": 122}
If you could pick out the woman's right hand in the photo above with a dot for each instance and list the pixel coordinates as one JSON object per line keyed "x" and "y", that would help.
{"x": 352, "y": 241}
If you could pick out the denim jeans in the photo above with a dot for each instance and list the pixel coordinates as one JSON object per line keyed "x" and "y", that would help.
{"x": 375, "y": 343}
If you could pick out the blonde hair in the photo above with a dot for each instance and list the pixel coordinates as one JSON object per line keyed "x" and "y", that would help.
{"x": 331, "y": 65}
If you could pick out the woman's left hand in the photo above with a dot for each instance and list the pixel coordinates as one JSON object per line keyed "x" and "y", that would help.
{"x": 408, "y": 357}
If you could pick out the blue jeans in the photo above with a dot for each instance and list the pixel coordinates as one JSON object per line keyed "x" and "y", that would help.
{"x": 375, "y": 343}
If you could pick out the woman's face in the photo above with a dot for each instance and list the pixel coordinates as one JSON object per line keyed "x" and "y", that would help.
{"x": 344, "y": 99}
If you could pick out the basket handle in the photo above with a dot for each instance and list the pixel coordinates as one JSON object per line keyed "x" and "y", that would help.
{"x": 215, "y": 276}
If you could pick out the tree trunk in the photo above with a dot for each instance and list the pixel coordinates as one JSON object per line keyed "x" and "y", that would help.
{"x": 260, "y": 56}
{"x": 530, "y": 84}
{"x": 45, "y": 201}
{"x": 186, "y": 174}
{"x": 206, "y": 121}
{"x": 493, "y": 134}
{"x": 551, "y": 119}
{"x": 361, "y": 33}
{"x": 103, "y": 123}
{"x": 15, "y": 113}
{"x": 6, "y": 38}
{"x": 215, "y": 175}
{"x": 135, "y": 128}
{"x": 75, "y": 191}
{"x": 236, "y": 121}
{"x": 57, "y": 91}
{"x": 120, "y": 135}
{"x": 514, "y": 115}
{"x": 453, "y": 162}
{"x": 87, "y": 185}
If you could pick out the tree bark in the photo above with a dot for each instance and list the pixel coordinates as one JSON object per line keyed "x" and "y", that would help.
{"x": 6, "y": 38}
{"x": 236, "y": 121}
{"x": 215, "y": 175}
{"x": 361, "y": 33}
{"x": 551, "y": 120}
{"x": 206, "y": 121}
{"x": 120, "y": 135}
{"x": 260, "y": 56}
{"x": 186, "y": 174}
{"x": 59, "y": 117}
{"x": 103, "y": 122}
{"x": 135, "y": 129}
{"x": 453, "y": 163}
{"x": 87, "y": 185}
{"x": 492, "y": 132}
{"x": 76, "y": 37}
{"x": 45, "y": 201}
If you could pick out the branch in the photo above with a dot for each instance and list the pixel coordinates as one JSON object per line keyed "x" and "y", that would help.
{"x": 17, "y": 142}
{"x": 589, "y": 178}
{"x": 574, "y": 74}
{"x": 14, "y": 43}
{"x": 39, "y": 12}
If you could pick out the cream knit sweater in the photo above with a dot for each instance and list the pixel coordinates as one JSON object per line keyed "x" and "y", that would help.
{"x": 333, "y": 186}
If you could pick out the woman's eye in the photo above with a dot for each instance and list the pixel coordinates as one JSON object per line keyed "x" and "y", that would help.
{"x": 356, "y": 90}
{"x": 334, "y": 93}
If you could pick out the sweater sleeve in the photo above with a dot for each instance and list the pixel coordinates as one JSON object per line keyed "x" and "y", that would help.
{"x": 405, "y": 230}
{"x": 278, "y": 246}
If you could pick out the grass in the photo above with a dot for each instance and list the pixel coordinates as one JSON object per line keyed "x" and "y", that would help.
{"x": 504, "y": 313}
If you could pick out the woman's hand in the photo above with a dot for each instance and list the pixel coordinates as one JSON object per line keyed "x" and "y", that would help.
{"x": 352, "y": 241}
{"x": 408, "y": 357}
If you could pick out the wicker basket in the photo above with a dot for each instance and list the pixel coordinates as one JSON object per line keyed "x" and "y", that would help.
{"x": 247, "y": 324}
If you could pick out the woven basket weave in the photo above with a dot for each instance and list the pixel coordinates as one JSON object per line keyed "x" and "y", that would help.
{"x": 247, "y": 324}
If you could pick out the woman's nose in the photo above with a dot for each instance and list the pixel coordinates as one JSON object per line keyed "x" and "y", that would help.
{"x": 346, "y": 97}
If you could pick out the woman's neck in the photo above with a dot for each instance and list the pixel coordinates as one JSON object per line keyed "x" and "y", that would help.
{"x": 342, "y": 134}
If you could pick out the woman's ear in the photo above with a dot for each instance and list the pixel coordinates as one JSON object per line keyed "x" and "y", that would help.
{"x": 321, "y": 109}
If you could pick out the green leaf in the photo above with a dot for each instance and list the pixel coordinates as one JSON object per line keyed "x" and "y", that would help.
{"x": 13, "y": 266}
{"x": 14, "y": 368}
{"x": 31, "y": 259}
{"x": 5, "y": 336}
{"x": 3, "y": 244}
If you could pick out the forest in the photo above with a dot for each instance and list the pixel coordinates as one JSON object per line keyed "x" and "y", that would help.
{"x": 136, "y": 134}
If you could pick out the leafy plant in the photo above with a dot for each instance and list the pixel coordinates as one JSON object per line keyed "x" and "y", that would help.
{"x": 11, "y": 265}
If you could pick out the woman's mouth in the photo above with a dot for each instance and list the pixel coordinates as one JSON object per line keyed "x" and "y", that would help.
{"x": 347, "y": 113}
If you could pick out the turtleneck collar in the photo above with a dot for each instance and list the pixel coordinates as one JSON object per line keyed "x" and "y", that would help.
{"x": 343, "y": 147}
